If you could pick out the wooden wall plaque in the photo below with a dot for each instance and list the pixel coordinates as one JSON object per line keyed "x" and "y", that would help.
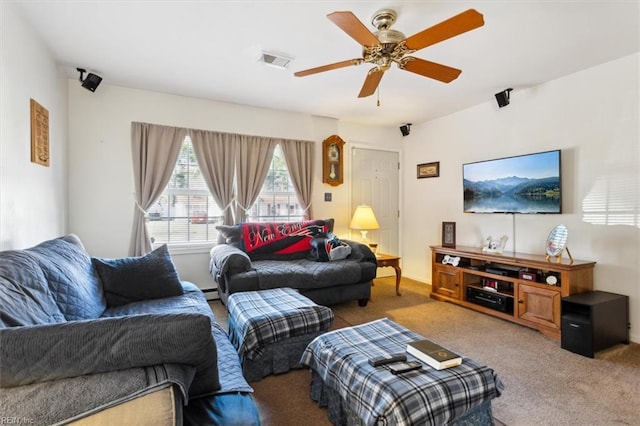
{"x": 39, "y": 134}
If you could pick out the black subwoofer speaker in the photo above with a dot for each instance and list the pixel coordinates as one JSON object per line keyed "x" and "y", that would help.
{"x": 576, "y": 334}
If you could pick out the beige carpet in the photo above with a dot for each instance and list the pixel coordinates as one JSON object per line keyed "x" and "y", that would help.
{"x": 544, "y": 384}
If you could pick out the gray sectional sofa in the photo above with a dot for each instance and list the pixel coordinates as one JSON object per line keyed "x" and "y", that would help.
{"x": 260, "y": 256}
{"x": 82, "y": 337}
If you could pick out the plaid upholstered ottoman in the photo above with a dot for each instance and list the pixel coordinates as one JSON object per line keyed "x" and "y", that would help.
{"x": 357, "y": 393}
{"x": 271, "y": 328}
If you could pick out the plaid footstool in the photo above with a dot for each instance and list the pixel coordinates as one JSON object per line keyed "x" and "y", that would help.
{"x": 271, "y": 328}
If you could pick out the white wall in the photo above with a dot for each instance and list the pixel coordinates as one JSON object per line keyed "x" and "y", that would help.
{"x": 593, "y": 117}
{"x": 33, "y": 198}
{"x": 101, "y": 177}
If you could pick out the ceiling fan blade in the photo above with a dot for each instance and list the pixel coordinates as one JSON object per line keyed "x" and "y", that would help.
{"x": 431, "y": 69}
{"x": 351, "y": 25}
{"x": 456, "y": 25}
{"x": 328, "y": 67}
{"x": 371, "y": 83}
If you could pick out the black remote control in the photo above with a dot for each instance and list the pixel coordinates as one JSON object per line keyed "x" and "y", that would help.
{"x": 403, "y": 367}
{"x": 387, "y": 359}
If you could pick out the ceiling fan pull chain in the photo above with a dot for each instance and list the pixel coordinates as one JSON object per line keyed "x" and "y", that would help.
{"x": 378, "y": 90}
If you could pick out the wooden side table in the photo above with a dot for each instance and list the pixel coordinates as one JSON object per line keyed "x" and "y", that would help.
{"x": 393, "y": 262}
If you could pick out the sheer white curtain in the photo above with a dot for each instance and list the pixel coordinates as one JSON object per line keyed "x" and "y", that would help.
{"x": 155, "y": 150}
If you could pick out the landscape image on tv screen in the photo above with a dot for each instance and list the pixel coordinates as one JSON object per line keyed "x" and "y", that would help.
{"x": 522, "y": 184}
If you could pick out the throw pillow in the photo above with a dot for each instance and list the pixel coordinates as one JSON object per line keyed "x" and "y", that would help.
{"x": 327, "y": 247}
{"x": 131, "y": 279}
{"x": 71, "y": 277}
{"x": 232, "y": 234}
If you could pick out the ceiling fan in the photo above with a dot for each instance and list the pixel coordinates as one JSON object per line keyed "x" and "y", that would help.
{"x": 387, "y": 46}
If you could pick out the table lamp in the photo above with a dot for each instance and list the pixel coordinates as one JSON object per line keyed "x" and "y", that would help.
{"x": 364, "y": 220}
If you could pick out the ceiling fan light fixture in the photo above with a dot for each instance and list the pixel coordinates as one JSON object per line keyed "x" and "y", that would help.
{"x": 391, "y": 37}
{"x": 276, "y": 60}
{"x": 383, "y": 19}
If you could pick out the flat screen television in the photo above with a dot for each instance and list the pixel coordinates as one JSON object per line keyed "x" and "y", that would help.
{"x": 528, "y": 183}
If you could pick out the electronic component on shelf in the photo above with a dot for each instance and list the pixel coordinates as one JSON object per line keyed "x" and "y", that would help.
{"x": 529, "y": 276}
{"x": 497, "y": 285}
{"x": 501, "y": 271}
{"x": 492, "y": 300}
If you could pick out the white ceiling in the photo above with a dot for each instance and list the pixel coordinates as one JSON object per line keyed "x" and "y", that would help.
{"x": 209, "y": 49}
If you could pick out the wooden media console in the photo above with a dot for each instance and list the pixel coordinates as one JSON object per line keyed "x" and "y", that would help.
{"x": 522, "y": 288}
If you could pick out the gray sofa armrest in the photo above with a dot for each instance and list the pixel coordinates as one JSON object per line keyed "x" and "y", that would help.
{"x": 227, "y": 259}
{"x": 53, "y": 351}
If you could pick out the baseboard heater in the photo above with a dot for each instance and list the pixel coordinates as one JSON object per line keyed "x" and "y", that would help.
{"x": 211, "y": 293}
{"x": 496, "y": 301}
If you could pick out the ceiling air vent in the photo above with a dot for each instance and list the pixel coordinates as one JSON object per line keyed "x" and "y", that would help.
{"x": 275, "y": 60}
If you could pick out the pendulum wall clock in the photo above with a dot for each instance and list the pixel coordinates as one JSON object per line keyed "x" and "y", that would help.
{"x": 332, "y": 160}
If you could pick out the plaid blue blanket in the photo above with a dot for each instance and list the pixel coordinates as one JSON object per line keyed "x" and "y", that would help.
{"x": 377, "y": 397}
{"x": 258, "y": 318}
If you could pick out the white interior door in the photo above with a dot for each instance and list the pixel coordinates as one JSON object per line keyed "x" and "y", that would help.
{"x": 375, "y": 182}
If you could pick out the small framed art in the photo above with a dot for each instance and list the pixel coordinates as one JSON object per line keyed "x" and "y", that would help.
{"x": 448, "y": 234}
{"x": 429, "y": 170}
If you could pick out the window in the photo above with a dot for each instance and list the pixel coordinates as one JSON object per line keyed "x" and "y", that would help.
{"x": 277, "y": 201}
{"x": 187, "y": 214}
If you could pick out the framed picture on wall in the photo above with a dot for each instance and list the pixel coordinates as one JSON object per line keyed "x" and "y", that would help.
{"x": 448, "y": 234}
{"x": 429, "y": 170}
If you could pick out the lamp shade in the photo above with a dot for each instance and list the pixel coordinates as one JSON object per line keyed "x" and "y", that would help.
{"x": 364, "y": 219}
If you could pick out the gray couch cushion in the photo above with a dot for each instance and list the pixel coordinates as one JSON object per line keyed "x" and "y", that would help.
{"x": 77, "y": 348}
{"x": 194, "y": 301}
{"x": 304, "y": 274}
{"x": 25, "y": 298}
{"x": 71, "y": 277}
{"x": 131, "y": 279}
